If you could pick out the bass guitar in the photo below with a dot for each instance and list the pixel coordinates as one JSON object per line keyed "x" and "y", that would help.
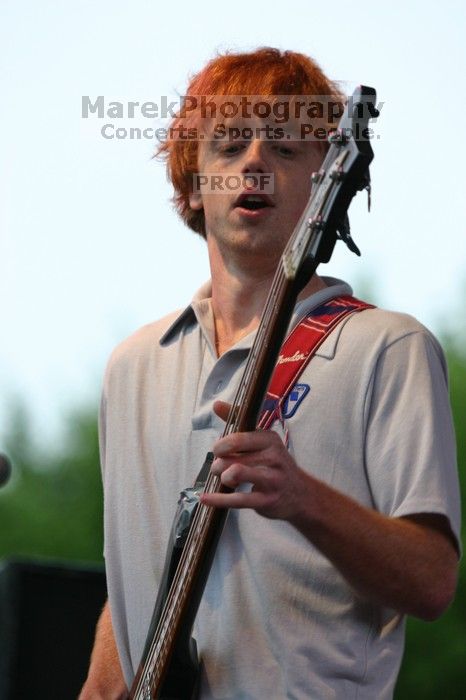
{"x": 169, "y": 668}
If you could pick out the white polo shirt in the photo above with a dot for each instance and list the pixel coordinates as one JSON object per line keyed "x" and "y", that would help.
{"x": 277, "y": 620}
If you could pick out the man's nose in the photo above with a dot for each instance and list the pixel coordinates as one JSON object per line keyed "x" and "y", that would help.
{"x": 255, "y": 160}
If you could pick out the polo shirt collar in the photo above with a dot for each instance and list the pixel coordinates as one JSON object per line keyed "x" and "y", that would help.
{"x": 191, "y": 315}
{"x": 199, "y": 312}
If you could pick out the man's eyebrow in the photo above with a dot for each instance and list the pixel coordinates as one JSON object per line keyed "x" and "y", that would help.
{"x": 213, "y": 145}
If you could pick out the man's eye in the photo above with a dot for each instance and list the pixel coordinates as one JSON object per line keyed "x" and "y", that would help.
{"x": 284, "y": 150}
{"x": 231, "y": 149}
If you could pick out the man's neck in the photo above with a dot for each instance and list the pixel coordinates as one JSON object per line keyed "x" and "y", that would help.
{"x": 238, "y": 299}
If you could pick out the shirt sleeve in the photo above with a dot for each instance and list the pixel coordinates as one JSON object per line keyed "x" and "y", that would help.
{"x": 410, "y": 448}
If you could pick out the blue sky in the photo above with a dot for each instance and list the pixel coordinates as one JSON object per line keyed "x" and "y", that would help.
{"x": 90, "y": 245}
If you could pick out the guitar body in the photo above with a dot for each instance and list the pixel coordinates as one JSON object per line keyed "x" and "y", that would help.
{"x": 182, "y": 678}
{"x": 183, "y": 675}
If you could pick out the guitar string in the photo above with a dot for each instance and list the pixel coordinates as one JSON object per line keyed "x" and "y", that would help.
{"x": 200, "y": 523}
{"x": 201, "y": 518}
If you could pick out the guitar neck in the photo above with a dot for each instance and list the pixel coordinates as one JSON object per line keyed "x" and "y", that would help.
{"x": 177, "y": 617}
{"x": 343, "y": 172}
{"x": 182, "y": 602}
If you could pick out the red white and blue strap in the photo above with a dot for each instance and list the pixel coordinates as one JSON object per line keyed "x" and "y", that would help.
{"x": 299, "y": 348}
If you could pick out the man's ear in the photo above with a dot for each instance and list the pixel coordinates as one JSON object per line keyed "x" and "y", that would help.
{"x": 195, "y": 201}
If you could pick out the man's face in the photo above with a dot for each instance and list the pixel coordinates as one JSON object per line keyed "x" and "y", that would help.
{"x": 245, "y": 219}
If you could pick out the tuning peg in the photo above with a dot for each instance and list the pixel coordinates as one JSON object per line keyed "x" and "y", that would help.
{"x": 317, "y": 177}
{"x": 365, "y": 184}
{"x": 337, "y": 174}
{"x": 337, "y": 137}
{"x": 344, "y": 235}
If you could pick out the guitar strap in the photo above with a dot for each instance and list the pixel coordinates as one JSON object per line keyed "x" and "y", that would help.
{"x": 296, "y": 352}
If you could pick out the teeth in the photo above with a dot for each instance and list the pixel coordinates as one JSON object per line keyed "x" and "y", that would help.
{"x": 253, "y": 198}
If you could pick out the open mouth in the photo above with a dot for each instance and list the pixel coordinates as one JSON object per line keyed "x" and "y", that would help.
{"x": 253, "y": 202}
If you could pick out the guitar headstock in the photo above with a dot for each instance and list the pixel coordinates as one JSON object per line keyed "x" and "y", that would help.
{"x": 344, "y": 171}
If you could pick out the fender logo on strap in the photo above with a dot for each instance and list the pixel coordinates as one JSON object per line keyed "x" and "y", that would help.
{"x": 294, "y": 358}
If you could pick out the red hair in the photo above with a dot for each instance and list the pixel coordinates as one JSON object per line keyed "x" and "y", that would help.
{"x": 266, "y": 71}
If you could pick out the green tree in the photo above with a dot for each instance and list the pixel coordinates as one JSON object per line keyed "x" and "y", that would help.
{"x": 53, "y": 506}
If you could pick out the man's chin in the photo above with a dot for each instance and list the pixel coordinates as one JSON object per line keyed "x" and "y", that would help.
{"x": 253, "y": 240}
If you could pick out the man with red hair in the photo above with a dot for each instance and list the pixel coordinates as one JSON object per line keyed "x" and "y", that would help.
{"x": 345, "y": 531}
